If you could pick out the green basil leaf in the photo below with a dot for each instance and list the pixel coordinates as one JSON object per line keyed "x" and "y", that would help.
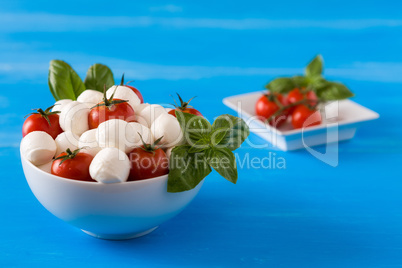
{"x": 64, "y": 82}
{"x": 217, "y": 135}
{"x": 199, "y": 146}
{"x": 186, "y": 170}
{"x": 237, "y": 133}
{"x": 281, "y": 85}
{"x": 99, "y": 75}
{"x": 333, "y": 91}
{"x": 223, "y": 161}
{"x": 193, "y": 127}
{"x": 314, "y": 68}
{"x": 299, "y": 81}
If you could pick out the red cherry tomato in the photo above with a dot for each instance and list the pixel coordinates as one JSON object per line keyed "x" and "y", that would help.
{"x": 136, "y": 91}
{"x": 184, "y": 107}
{"x": 38, "y": 122}
{"x": 102, "y": 113}
{"x": 265, "y": 108}
{"x": 147, "y": 164}
{"x": 302, "y": 113}
{"x": 75, "y": 168}
{"x": 296, "y": 95}
{"x": 186, "y": 110}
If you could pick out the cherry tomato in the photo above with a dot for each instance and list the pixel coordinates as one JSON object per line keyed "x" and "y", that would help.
{"x": 184, "y": 107}
{"x": 186, "y": 110}
{"x": 297, "y": 95}
{"x": 146, "y": 164}
{"x": 42, "y": 121}
{"x": 265, "y": 108}
{"x": 74, "y": 167}
{"x": 302, "y": 113}
{"x": 110, "y": 110}
{"x": 136, "y": 91}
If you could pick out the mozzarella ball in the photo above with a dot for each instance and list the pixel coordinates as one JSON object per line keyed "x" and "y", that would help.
{"x": 66, "y": 140}
{"x": 141, "y": 107}
{"x": 74, "y": 118}
{"x": 58, "y": 106}
{"x": 46, "y": 167}
{"x": 133, "y": 137}
{"x": 38, "y": 147}
{"x": 88, "y": 142}
{"x": 110, "y": 165}
{"x": 90, "y": 97}
{"x": 150, "y": 113}
{"x": 169, "y": 152}
{"x": 124, "y": 93}
{"x": 113, "y": 133}
{"x": 168, "y": 127}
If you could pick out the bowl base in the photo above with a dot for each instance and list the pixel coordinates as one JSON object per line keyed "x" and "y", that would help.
{"x": 120, "y": 236}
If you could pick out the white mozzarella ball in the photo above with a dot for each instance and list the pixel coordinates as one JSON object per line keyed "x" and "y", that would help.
{"x": 38, "y": 147}
{"x": 141, "y": 107}
{"x": 113, "y": 133}
{"x": 74, "y": 118}
{"x": 110, "y": 165}
{"x": 90, "y": 97}
{"x": 46, "y": 167}
{"x": 124, "y": 93}
{"x": 134, "y": 139}
{"x": 66, "y": 140}
{"x": 58, "y": 106}
{"x": 168, "y": 127}
{"x": 150, "y": 113}
{"x": 169, "y": 152}
{"x": 88, "y": 142}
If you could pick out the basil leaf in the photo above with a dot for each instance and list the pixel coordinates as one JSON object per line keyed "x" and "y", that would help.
{"x": 64, "y": 82}
{"x": 193, "y": 127}
{"x": 186, "y": 170}
{"x": 217, "y": 135}
{"x": 199, "y": 146}
{"x": 314, "y": 68}
{"x": 223, "y": 161}
{"x": 281, "y": 85}
{"x": 99, "y": 75}
{"x": 333, "y": 91}
{"x": 237, "y": 133}
{"x": 299, "y": 81}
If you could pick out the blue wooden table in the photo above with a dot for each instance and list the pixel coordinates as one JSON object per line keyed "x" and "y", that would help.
{"x": 306, "y": 215}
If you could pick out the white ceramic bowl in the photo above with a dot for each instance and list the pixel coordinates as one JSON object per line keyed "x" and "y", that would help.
{"x": 108, "y": 211}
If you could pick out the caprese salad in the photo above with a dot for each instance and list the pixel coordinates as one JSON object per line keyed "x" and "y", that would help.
{"x": 100, "y": 132}
{"x": 299, "y": 98}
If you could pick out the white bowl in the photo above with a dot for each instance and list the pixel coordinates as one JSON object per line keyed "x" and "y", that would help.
{"x": 340, "y": 121}
{"x": 108, "y": 211}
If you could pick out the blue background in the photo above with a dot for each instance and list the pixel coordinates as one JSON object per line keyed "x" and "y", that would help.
{"x": 307, "y": 215}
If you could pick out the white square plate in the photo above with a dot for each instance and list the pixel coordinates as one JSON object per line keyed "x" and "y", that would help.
{"x": 340, "y": 121}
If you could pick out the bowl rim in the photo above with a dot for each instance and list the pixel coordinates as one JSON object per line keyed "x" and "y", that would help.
{"x": 139, "y": 182}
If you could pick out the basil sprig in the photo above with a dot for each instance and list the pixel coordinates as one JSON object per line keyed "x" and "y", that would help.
{"x": 311, "y": 80}
{"x": 205, "y": 147}
{"x": 65, "y": 83}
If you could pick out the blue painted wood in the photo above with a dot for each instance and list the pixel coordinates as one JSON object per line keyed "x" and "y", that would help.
{"x": 306, "y": 215}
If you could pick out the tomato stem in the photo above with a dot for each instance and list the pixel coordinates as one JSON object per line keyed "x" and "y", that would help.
{"x": 183, "y": 105}
{"x": 109, "y": 101}
{"x": 45, "y": 114}
{"x": 69, "y": 155}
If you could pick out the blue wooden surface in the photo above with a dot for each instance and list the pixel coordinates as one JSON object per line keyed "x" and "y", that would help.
{"x": 307, "y": 215}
